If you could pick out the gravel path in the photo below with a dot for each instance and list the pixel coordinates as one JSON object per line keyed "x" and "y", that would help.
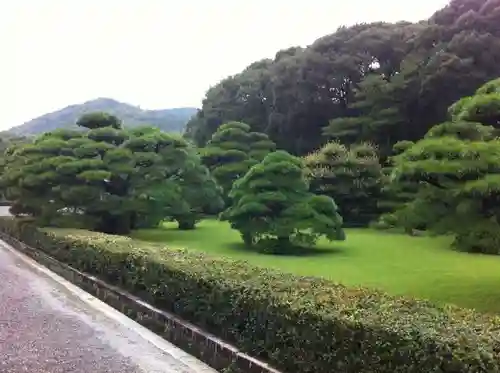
{"x": 45, "y": 327}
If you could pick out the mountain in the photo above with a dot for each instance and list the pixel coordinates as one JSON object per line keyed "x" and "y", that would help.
{"x": 169, "y": 120}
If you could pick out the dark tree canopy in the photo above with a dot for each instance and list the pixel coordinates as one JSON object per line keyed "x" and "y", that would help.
{"x": 376, "y": 82}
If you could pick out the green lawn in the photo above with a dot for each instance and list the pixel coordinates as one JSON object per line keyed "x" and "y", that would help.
{"x": 423, "y": 267}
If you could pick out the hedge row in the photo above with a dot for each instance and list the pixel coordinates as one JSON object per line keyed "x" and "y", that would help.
{"x": 297, "y": 324}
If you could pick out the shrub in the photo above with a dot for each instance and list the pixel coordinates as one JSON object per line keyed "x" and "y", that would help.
{"x": 298, "y": 324}
{"x": 272, "y": 206}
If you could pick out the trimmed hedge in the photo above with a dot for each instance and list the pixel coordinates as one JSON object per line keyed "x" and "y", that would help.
{"x": 297, "y": 324}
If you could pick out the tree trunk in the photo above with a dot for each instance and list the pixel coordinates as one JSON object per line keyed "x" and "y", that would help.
{"x": 115, "y": 224}
{"x": 186, "y": 224}
{"x": 281, "y": 245}
{"x": 247, "y": 238}
{"x": 133, "y": 221}
{"x": 284, "y": 241}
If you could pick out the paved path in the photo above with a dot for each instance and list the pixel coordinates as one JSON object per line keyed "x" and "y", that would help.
{"x": 4, "y": 211}
{"x": 49, "y": 325}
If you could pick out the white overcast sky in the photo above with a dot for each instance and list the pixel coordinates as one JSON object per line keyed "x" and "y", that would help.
{"x": 156, "y": 53}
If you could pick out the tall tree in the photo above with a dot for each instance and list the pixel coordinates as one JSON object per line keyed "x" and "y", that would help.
{"x": 377, "y": 82}
{"x": 291, "y": 97}
{"x": 380, "y": 109}
{"x": 456, "y": 48}
{"x": 241, "y": 98}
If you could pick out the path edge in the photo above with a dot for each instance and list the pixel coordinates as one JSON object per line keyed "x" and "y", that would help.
{"x": 204, "y": 346}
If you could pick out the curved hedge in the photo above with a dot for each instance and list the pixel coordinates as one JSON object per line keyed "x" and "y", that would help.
{"x": 297, "y": 324}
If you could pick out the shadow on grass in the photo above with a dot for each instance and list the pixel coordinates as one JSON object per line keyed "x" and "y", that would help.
{"x": 198, "y": 239}
{"x": 295, "y": 251}
{"x": 156, "y": 235}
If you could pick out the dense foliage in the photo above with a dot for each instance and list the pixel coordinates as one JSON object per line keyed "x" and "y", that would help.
{"x": 352, "y": 176}
{"x": 107, "y": 178}
{"x": 272, "y": 204}
{"x": 169, "y": 120}
{"x": 232, "y": 150}
{"x": 7, "y": 141}
{"x": 200, "y": 193}
{"x": 395, "y": 195}
{"x": 456, "y": 171}
{"x": 376, "y": 82}
{"x": 297, "y": 324}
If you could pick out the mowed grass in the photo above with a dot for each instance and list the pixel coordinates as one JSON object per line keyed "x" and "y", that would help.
{"x": 421, "y": 267}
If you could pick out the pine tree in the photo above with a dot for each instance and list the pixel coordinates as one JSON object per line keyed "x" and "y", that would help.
{"x": 273, "y": 207}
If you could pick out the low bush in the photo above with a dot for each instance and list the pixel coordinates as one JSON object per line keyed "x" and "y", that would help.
{"x": 297, "y": 324}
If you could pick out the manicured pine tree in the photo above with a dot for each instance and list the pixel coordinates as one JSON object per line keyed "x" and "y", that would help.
{"x": 352, "y": 176}
{"x": 232, "y": 150}
{"x": 273, "y": 208}
{"x": 456, "y": 171}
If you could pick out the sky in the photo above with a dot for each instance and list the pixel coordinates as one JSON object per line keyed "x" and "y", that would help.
{"x": 156, "y": 53}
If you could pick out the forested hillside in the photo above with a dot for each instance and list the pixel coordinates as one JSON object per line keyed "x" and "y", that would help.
{"x": 168, "y": 120}
{"x": 376, "y": 82}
